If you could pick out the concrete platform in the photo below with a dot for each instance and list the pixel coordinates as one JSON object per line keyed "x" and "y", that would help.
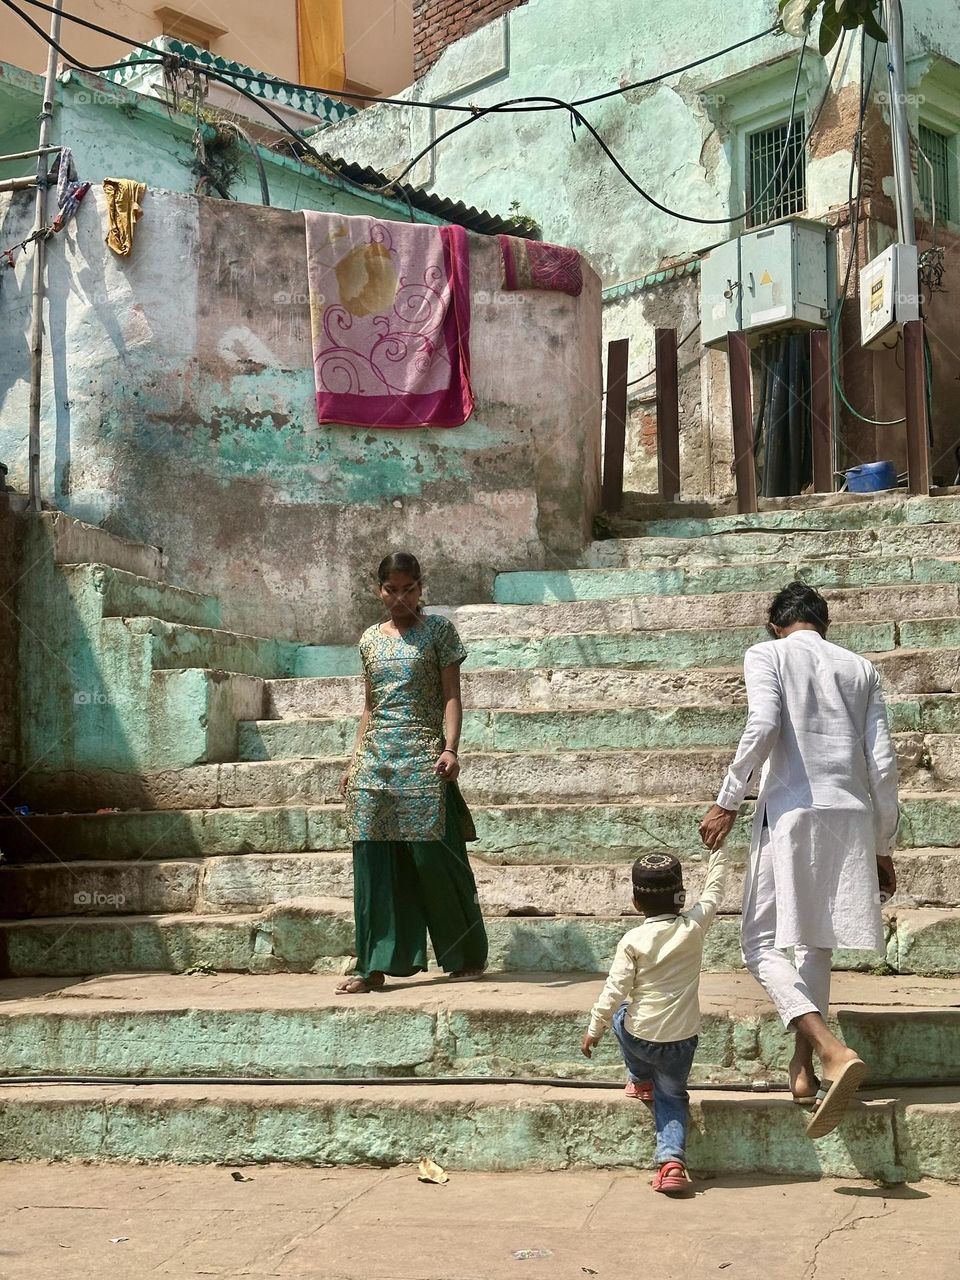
{"x": 288, "y": 1026}
{"x": 376, "y": 1224}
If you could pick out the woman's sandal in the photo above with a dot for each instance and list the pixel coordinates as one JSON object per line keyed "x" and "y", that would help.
{"x": 834, "y": 1096}
{"x": 466, "y": 975}
{"x": 358, "y": 986}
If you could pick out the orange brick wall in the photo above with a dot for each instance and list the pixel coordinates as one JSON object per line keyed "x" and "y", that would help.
{"x": 438, "y": 23}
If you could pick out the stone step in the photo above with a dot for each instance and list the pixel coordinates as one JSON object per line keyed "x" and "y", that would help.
{"x": 791, "y": 547}
{"x": 294, "y": 1026}
{"x": 316, "y": 935}
{"x": 545, "y": 587}
{"x": 251, "y": 882}
{"x": 821, "y": 512}
{"x": 125, "y": 595}
{"x": 913, "y": 671}
{"x": 636, "y": 728}
{"x": 70, "y": 541}
{"x": 514, "y": 833}
{"x": 886, "y": 1136}
{"x": 173, "y": 646}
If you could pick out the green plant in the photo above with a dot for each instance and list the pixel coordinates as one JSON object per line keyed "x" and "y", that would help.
{"x": 523, "y": 223}
{"x": 836, "y": 16}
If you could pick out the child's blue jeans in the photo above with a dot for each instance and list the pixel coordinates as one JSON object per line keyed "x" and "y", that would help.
{"x": 668, "y": 1065}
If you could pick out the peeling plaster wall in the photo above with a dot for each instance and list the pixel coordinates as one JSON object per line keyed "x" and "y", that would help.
{"x": 679, "y": 139}
{"x": 178, "y": 410}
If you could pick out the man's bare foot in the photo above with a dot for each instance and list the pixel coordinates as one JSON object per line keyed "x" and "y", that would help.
{"x": 803, "y": 1081}
{"x": 831, "y": 1063}
{"x": 357, "y": 985}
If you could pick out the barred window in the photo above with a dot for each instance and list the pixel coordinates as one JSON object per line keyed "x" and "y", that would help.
{"x": 933, "y": 178}
{"x": 786, "y": 193}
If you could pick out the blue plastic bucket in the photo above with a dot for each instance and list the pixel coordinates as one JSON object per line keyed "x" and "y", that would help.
{"x": 871, "y": 477}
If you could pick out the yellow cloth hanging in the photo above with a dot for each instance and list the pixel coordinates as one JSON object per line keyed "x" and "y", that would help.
{"x": 123, "y": 210}
{"x": 320, "y": 37}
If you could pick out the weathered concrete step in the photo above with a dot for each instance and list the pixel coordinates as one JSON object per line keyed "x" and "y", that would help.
{"x": 544, "y": 587}
{"x": 70, "y": 541}
{"x": 294, "y": 1026}
{"x": 849, "y": 513}
{"x": 167, "y": 645}
{"x": 652, "y": 631}
{"x": 800, "y": 547}
{"x": 125, "y": 595}
{"x": 637, "y": 728}
{"x": 251, "y": 882}
{"x": 516, "y": 833}
{"x": 316, "y": 935}
{"x": 905, "y": 672}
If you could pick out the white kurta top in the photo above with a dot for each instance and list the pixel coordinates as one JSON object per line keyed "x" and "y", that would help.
{"x": 817, "y": 725}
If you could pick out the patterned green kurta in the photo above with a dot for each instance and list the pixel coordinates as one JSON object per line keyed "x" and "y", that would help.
{"x": 393, "y": 792}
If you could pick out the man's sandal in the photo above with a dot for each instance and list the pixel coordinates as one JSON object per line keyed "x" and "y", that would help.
{"x": 642, "y": 1092}
{"x": 466, "y": 975}
{"x": 671, "y": 1178}
{"x": 834, "y": 1096}
{"x": 357, "y": 985}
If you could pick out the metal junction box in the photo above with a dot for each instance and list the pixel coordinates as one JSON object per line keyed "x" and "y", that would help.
{"x": 889, "y": 295}
{"x": 775, "y": 278}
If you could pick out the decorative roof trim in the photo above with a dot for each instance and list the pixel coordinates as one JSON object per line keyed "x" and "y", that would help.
{"x": 630, "y": 287}
{"x": 329, "y": 110}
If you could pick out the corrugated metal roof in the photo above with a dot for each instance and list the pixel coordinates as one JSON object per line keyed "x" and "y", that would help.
{"x": 455, "y": 211}
{"x": 650, "y": 281}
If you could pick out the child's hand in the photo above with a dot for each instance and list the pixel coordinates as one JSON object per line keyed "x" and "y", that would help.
{"x": 587, "y": 1046}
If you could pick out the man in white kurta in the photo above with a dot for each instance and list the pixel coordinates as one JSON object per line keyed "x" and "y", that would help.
{"x": 825, "y": 822}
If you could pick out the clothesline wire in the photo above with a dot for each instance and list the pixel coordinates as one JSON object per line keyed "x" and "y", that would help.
{"x": 514, "y": 104}
{"x": 476, "y": 113}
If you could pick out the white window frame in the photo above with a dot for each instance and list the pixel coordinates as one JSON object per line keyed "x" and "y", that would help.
{"x": 934, "y": 101}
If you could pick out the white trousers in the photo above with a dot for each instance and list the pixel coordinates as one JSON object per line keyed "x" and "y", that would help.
{"x": 797, "y": 986}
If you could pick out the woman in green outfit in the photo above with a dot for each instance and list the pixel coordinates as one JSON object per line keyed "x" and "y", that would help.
{"x": 406, "y": 816}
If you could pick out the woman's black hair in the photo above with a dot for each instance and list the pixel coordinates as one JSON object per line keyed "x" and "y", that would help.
{"x": 399, "y": 562}
{"x": 797, "y": 602}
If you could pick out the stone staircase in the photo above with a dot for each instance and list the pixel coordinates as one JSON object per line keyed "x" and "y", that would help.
{"x": 187, "y": 933}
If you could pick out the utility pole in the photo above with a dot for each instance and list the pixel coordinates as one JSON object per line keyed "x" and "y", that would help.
{"x": 39, "y": 255}
{"x": 899, "y": 124}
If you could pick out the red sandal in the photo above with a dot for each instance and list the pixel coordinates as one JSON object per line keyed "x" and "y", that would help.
{"x": 642, "y": 1092}
{"x": 671, "y": 1178}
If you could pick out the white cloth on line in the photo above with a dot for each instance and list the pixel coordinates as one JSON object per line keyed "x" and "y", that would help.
{"x": 795, "y": 987}
{"x": 817, "y": 730}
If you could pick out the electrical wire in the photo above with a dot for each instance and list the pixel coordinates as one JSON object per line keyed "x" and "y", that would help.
{"x": 854, "y": 218}
{"x": 276, "y": 81}
{"x": 650, "y": 372}
{"x": 474, "y": 113}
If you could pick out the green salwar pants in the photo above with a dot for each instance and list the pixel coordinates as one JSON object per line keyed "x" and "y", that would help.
{"x": 403, "y": 890}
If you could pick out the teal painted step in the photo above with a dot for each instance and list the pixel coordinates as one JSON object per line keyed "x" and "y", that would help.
{"x": 653, "y": 650}
{"x": 316, "y": 935}
{"x": 639, "y": 728}
{"x": 473, "y": 1127}
{"x": 884, "y": 513}
{"x": 168, "y": 646}
{"x": 508, "y": 833}
{"x": 786, "y": 547}
{"x": 291, "y": 1027}
{"x": 615, "y": 584}
{"x": 124, "y": 595}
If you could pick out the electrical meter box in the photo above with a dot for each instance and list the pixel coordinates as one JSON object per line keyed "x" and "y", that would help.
{"x": 889, "y": 294}
{"x": 775, "y": 278}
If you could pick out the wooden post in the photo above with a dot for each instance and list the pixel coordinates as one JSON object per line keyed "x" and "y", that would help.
{"x": 615, "y": 427}
{"x": 668, "y": 414}
{"x": 821, "y": 410}
{"x": 741, "y": 405}
{"x": 915, "y": 396}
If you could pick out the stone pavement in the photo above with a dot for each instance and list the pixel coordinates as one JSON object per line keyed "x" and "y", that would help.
{"x": 125, "y": 1222}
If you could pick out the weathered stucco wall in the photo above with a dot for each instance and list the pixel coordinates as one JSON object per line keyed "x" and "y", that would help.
{"x": 178, "y": 410}
{"x": 8, "y": 646}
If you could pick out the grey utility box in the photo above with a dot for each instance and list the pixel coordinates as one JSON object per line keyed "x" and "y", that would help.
{"x": 775, "y": 278}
